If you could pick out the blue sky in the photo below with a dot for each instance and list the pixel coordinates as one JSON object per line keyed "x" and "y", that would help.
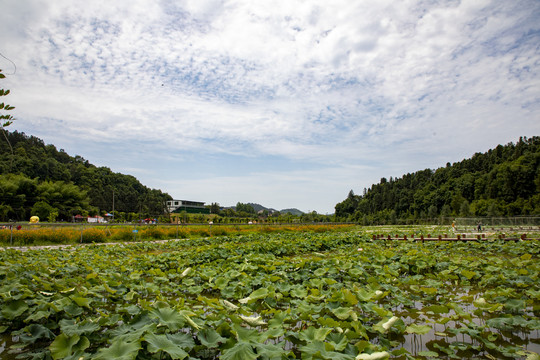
{"x": 284, "y": 103}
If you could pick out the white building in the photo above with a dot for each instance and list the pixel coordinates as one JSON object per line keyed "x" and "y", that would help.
{"x": 177, "y": 206}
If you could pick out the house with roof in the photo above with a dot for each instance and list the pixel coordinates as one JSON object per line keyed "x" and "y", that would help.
{"x": 177, "y": 207}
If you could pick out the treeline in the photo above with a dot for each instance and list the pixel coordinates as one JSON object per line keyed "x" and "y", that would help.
{"x": 38, "y": 179}
{"x": 504, "y": 181}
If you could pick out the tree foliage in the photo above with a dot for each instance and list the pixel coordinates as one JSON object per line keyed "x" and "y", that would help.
{"x": 504, "y": 181}
{"x": 5, "y": 119}
{"x": 37, "y": 172}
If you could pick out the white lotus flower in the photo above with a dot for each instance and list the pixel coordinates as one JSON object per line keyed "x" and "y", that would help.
{"x": 230, "y": 305}
{"x": 387, "y": 325}
{"x": 375, "y": 356}
{"x": 253, "y": 320}
{"x": 186, "y": 272}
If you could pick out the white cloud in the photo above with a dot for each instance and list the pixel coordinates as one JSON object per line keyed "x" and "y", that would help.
{"x": 401, "y": 85}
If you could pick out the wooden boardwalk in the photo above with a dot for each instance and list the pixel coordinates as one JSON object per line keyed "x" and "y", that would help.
{"x": 459, "y": 237}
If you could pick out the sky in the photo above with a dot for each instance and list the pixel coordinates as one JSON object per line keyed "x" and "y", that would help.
{"x": 285, "y": 103}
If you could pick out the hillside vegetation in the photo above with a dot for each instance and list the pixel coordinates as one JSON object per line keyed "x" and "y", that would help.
{"x": 38, "y": 179}
{"x": 504, "y": 181}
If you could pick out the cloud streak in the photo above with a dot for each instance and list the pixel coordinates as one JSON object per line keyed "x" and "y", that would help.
{"x": 387, "y": 87}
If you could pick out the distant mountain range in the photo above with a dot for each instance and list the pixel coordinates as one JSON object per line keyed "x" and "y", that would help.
{"x": 259, "y": 207}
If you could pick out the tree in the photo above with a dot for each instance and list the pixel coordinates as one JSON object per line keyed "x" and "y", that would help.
{"x": 245, "y": 208}
{"x": 215, "y": 208}
{"x": 6, "y": 118}
{"x": 43, "y": 210}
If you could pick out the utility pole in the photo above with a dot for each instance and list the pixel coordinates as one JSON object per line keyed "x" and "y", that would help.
{"x": 113, "y": 205}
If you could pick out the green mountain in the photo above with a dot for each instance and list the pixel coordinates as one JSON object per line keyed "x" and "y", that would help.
{"x": 38, "y": 179}
{"x": 504, "y": 181}
{"x": 293, "y": 211}
{"x": 258, "y": 207}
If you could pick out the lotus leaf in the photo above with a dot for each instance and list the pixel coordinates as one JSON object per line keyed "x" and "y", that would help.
{"x": 240, "y": 351}
{"x": 158, "y": 343}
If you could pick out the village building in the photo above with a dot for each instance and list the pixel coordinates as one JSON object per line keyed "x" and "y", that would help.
{"x": 178, "y": 207}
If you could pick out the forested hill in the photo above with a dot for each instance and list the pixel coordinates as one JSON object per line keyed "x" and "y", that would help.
{"x": 504, "y": 181}
{"x": 38, "y": 179}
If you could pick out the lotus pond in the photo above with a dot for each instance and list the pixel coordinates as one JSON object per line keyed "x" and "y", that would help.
{"x": 300, "y": 295}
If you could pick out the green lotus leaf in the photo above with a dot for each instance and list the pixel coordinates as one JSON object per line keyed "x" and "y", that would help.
{"x": 515, "y": 305}
{"x": 163, "y": 343}
{"x": 130, "y": 295}
{"x": 349, "y": 297}
{"x": 62, "y": 346}
{"x": 436, "y": 309}
{"x": 320, "y": 272}
{"x": 444, "y": 349}
{"x": 133, "y": 310}
{"x": 169, "y": 317}
{"x": 299, "y": 292}
{"x": 38, "y": 315}
{"x": 270, "y": 351}
{"x": 210, "y": 338}
{"x": 187, "y": 317}
{"x": 34, "y": 332}
{"x": 429, "y": 290}
{"x": 221, "y": 282}
{"x": 418, "y": 329}
{"x": 257, "y": 294}
{"x": 14, "y": 309}
{"x": 182, "y": 339}
{"x": 365, "y": 295}
{"x": 317, "y": 350}
{"x": 533, "y": 294}
{"x": 240, "y": 351}
{"x": 344, "y": 313}
{"x": 428, "y": 354}
{"x": 532, "y": 355}
{"x": 379, "y": 310}
{"x": 468, "y": 274}
{"x": 73, "y": 310}
{"x": 312, "y": 334}
{"x": 337, "y": 341}
{"x": 400, "y": 351}
{"x": 273, "y": 333}
{"x": 119, "y": 350}
{"x": 69, "y": 327}
{"x": 245, "y": 334}
{"x": 482, "y": 304}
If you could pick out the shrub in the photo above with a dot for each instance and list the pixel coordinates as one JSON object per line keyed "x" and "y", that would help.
{"x": 93, "y": 235}
{"x": 122, "y": 234}
{"x": 154, "y": 232}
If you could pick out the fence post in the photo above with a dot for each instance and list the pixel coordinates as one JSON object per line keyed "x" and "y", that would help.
{"x": 82, "y": 229}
